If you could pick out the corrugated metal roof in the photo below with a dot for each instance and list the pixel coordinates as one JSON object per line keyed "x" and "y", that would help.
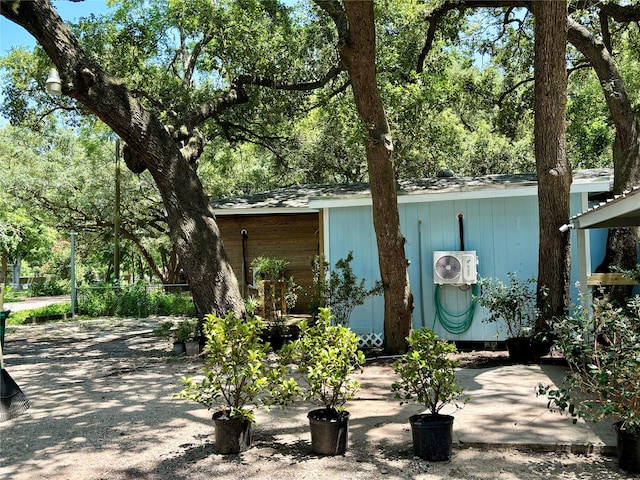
{"x": 620, "y": 211}
{"x": 298, "y": 196}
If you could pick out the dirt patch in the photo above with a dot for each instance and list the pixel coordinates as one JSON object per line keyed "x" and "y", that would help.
{"x": 103, "y": 408}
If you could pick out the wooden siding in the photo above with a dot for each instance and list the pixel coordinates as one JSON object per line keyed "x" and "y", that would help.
{"x": 291, "y": 236}
{"x": 503, "y": 231}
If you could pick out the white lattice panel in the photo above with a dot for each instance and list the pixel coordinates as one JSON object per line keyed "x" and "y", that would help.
{"x": 370, "y": 340}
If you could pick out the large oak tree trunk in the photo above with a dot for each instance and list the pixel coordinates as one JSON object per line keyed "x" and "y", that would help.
{"x": 192, "y": 225}
{"x": 622, "y": 243}
{"x": 553, "y": 170}
{"x": 358, "y": 56}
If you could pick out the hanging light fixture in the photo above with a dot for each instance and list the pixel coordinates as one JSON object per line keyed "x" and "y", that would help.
{"x": 54, "y": 85}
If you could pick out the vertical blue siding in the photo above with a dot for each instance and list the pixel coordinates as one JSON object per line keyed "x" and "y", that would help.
{"x": 351, "y": 229}
{"x": 503, "y": 231}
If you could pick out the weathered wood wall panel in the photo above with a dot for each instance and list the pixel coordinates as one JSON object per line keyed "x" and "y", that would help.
{"x": 291, "y": 236}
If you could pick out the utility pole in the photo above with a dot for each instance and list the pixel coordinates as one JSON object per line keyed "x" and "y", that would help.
{"x": 73, "y": 273}
{"x": 116, "y": 219}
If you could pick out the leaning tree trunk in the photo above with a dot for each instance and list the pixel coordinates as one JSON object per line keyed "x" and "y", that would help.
{"x": 622, "y": 243}
{"x": 192, "y": 225}
{"x": 358, "y": 51}
{"x": 554, "y": 172}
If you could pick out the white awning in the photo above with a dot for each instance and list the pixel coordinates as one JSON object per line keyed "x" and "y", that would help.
{"x": 620, "y": 211}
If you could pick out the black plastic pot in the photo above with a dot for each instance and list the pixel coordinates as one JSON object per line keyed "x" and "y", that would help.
{"x": 278, "y": 340}
{"x": 519, "y": 349}
{"x": 628, "y": 449}
{"x": 432, "y": 436}
{"x": 233, "y": 435}
{"x": 329, "y": 431}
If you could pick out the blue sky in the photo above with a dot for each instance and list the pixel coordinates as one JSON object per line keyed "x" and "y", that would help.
{"x": 13, "y": 35}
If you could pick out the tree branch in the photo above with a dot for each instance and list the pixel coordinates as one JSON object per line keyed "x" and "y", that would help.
{"x": 237, "y": 95}
{"x": 620, "y": 13}
{"x": 434, "y": 17}
{"x": 605, "y": 67}
{"x": 281, "y": 85}
{"x": 192, "y": 59}
{"x": 336, "y": 12}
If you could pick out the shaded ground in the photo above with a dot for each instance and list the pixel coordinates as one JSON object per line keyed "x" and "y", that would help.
{"x": 103, "y": 408}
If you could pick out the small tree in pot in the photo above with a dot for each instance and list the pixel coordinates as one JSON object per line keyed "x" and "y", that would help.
{"x": 278, "y": 296}
{"x": 427, "y": 376}
{"x": 325, "y": 356}
{"x": 513, "y": 304}
{"x": 602, "y": 347}
{"x": 237, "y": 377}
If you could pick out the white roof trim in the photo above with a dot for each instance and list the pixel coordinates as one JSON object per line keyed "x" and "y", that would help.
{"x": 461, "y": 193}
{"x": 221, "y": 212}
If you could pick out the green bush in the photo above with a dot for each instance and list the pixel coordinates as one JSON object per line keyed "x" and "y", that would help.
{"x": 601, "y": 344}
{"x": 18, "y": 318}
{"x": 325, "y": 357}
{"x": 50, "y": 288}
{"x": 237, "y": 374}
{"x": 11, "y": 295}
{"x": 427, "y": 372}
{"x": 342, "y": 291}
{"x": 512, "y": 304}
{"x": 132, "y": 301}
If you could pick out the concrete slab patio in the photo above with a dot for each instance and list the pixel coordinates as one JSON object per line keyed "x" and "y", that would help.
{"x": 504, "y": 411}
{"x": 104, "y": 408}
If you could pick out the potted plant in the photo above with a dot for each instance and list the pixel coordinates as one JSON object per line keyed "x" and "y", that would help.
{"x": 325, "y": 356}
{"x": 601, "y": 344}
{"x": 514, "y": 305}
{"x": 341, "y": 291}
{"x": 428, "y": 376}
{"x": 188, "y": 332}
{"x": 269, "y": 268}
{"x": 278, "y": 296}
{"x": 237, "y": 378}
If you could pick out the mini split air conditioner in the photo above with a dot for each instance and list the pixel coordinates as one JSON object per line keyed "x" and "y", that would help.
{"x": 455, "y": 267}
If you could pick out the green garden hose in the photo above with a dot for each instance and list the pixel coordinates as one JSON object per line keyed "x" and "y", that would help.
{"x": 455, "y": 323}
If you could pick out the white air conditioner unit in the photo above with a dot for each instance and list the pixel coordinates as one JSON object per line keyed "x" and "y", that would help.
{"x": 455, "y": 267}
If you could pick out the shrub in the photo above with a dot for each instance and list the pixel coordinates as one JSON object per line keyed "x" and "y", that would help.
{"x": 18, "y": 318}
{"x": 237, "y": 373}
{"x": 342, "y": 291}
{"x": 49, "y": 288}
{"x": 602, "y": 348}
{"x": 427, "y": 372}
{"x": 514, "y": 304}
{"x": 132, "y": 301}
{"x": 325, "y": 356}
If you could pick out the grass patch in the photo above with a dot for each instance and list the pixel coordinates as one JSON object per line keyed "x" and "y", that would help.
{"x": 11, "y": 295}
{"x": 18, "y": 318}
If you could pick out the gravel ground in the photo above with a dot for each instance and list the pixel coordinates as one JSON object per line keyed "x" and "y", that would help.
{"x": 103, "y": 408}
